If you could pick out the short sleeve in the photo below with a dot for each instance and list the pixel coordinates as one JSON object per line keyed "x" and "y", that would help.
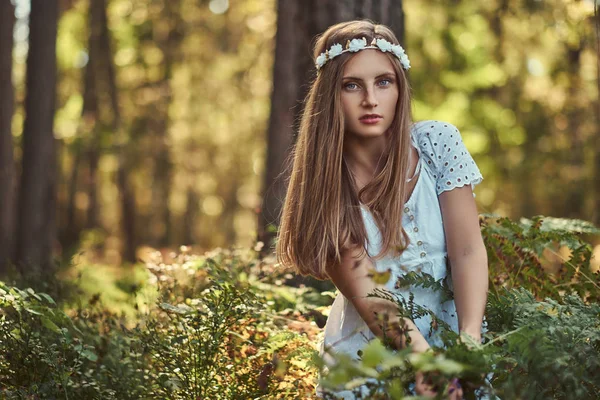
{"x": 453, "y": 165}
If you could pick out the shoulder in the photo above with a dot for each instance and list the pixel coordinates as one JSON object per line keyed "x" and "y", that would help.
{"x": 446, "y": 155}
{"x": 436, "y": 141}
{"x": 435, "y": 131}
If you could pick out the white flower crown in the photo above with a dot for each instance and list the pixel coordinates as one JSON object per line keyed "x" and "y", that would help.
{"x": 355, "y": 45}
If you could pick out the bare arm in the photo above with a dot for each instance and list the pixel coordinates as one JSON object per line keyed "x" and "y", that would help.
{"x": 468, "y": 257}
{"x": 351, "y": 278}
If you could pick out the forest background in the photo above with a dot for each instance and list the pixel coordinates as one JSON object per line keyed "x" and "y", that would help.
{"x": 142, "y": 145}
{"x": 163, "y": 133}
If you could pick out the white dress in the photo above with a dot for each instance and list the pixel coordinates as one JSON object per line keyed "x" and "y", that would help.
{"x": 444, "y": 164}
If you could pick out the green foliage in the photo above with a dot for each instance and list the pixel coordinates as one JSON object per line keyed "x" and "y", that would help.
{"x": 45, "y": 354}
{"x": 551, "y": 349}
{"x": 218, "y": 339}
{"x": 424, "y": 280}
{"x": 192, "y": 352}
{"x": 210, "y": 334}
{"x": 225, "y": 326}
{"x": 517, "y": 256}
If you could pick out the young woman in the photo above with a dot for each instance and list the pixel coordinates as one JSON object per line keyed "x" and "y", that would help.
{"x": 372, "y": 193}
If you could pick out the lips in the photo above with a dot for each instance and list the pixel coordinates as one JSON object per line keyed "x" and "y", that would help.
{"x": 370, "y": 117}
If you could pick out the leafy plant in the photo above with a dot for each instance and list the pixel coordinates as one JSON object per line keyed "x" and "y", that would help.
{"x": 517, "y": 256}
{"x": 226, "y": 326}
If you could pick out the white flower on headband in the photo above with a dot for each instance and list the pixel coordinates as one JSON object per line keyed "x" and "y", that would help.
{"x": 384, "y": 45}
{"x": 401, "y": 55}
{"x": 335, "y": 50}
{"x": 356, "y": 45}
{"x": 405, "y": 62}
{"x": 321, "y": 60}
{"x": 398, "y": 51}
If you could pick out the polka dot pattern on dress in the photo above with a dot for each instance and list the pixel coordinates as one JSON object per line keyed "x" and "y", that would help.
{"x": 447, "y": 156}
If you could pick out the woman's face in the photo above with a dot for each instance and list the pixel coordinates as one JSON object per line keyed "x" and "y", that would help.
{"x": 369, "y": 94}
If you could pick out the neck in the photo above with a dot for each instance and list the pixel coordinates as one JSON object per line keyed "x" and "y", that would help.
{"x": 364, "y": 157}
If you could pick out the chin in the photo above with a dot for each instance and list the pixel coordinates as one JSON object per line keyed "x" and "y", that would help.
{"x": 369, "y": 134}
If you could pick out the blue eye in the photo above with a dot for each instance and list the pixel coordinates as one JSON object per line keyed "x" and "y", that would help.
{"x": 389, "y": 82}
{"x": 348, "y": 86}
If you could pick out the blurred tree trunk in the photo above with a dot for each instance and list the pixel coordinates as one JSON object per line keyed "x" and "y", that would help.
{"x": 281, "y": 121}
{"x": 596, "y": 176}
{"x": 574, "y": 200}
{"x": 7, "y": 170}
{"x": 101, "y": 113}
{"x": 506, "y": 96}
{"x": 127, "y": 198}
{"x": 35, "y": 235}
{"x": 70, "y": 232}
{"x": 97, "y": 116}
{"x": 111, "y": 117}
{"x": 169, "y": 41}
{"x": 191, "y": 212}
{"x": 93, "y": 204}
{"x": 293, "y": 69}
{"x": 231, "y": 204}
{"x": 87, "y": 128}
{"x": 104, "y": 117}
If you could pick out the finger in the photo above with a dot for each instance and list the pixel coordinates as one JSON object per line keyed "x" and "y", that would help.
{"x": 425, "y": 390}
{"x": 426, "y": 387}
{"x": 454, "y": 396}
{"x": 425, "y": 380}
{"x": 455, "y": 393}
{"x": 452, "y": 393}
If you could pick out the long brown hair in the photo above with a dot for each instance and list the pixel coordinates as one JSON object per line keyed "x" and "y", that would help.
{"x": 321, "y": 213}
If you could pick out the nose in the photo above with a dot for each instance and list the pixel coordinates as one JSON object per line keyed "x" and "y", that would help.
{"x": 370, "y": 100}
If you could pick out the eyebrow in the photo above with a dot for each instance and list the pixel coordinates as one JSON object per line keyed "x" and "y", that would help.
{"x": 378, "y": 76}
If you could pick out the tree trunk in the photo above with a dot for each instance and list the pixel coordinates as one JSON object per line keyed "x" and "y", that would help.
{"x": 169, "y": 42}
{"x": 293, "y": 69}
{"x": 36, "y": 201}
{"x": 96, "y": 77}
{"x": 127, "y": 196}
{"x": 7, "y": 170}
{"x": 189, "y": 220}
{"x": 231, "y": 206}
{"x": 574, "y": 200}
{"x": 103, "y": 114}
{"x": 279, "y": 135}
{"x": 596, "y": 177}
{"x": 87, "y": 128}
{"x": 127, "y": 208}
{"x": 70, "y": 232}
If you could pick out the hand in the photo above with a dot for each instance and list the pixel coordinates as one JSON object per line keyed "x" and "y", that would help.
{"x": 423, "y": 387}
{"x": 470, "y": 339}
{"x": 455, "y": 391}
